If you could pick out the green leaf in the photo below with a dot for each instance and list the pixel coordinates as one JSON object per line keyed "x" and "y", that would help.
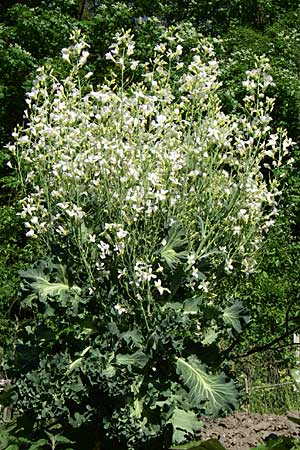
{"x": 137, "y": 359}
{"x": 210, "y": 336}
{"x": 172, "y": 252}
{"x": 176, "y": 306}
{"x": 43, "y": 286}
{"x": 109, "y": 371}
{"x": 185, "y": 423}
{"x": 203, "y": 387}
{"x": 234, "y": 314}
{"x": 132, "y": 336}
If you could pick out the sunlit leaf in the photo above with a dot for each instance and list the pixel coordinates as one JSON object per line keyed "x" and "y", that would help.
{"x": 43, "y": 286}
{"x": 209, "y": 388}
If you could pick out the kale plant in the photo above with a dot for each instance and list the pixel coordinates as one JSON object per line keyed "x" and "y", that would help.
{"x": 143, "y": 196}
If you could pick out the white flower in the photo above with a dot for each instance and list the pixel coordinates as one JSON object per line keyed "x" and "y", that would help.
{"x": 24, "y": 139}
{"x": 83, "y": 58}
{"x": 160, "y": 288}
{"x": 179, "y": 50}
{"x": 228, "y": 265}
{"x": 104, "y": 249}
{"x": 191, "y": 259}
{"x": 66, "y": 55}
{"x": 121, "y": 234}
{"x": 236, "y": 230}
{"x": 61, "y": 231}
{"x": 134, "y": 65}
{"x": 243, "y": 214}
{"x": 195, "y": 273}
{"x": 160, "y": 119}
{"x": 203, "y": 286}
{"x": 30, "y": 233}
{"x": 120, "y": 309}
{"x": 161, "y": 48}
{"x": 88, "y": 75}
{"x": 121, "y": 63}
{"x": 161, "y": 195}
{"x": 269, "y": 223}
{"x": 109, "y": 56}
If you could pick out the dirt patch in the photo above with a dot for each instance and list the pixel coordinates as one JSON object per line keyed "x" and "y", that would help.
{"x": 242, "y": 431}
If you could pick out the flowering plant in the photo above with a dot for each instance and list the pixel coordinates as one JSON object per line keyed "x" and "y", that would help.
{"x": 144, "y": 194}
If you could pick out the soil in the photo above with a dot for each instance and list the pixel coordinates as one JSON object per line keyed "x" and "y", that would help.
{"x": 243, "y": 431}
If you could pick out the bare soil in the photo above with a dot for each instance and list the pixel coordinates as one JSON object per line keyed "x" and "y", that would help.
{"x": 243, "y": 431}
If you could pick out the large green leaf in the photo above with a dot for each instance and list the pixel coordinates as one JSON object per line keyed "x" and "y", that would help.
{"x": 47, "y": 289}
{"x": 185, "y": 423}
{"x": 137, "y": 359}
{"x": 203, "y": 387}
{"x": 43, "y": 286}
{"x": 234, "y": 314}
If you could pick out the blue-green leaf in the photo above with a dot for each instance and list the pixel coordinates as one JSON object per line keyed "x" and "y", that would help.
{"x": 172, "y": 251}
{"x": 209, "y": 388}
{"x": 234, "y": 314}
{"x": 185, "y": 423}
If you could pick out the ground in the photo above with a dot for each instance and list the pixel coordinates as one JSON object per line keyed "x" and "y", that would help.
{"x": 242, "y": 431}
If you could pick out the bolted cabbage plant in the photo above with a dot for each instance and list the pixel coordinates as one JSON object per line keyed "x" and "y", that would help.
{"x": 144, "y": 194}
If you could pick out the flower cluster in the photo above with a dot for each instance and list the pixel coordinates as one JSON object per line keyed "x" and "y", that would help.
{"x": 112, "y": 169}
